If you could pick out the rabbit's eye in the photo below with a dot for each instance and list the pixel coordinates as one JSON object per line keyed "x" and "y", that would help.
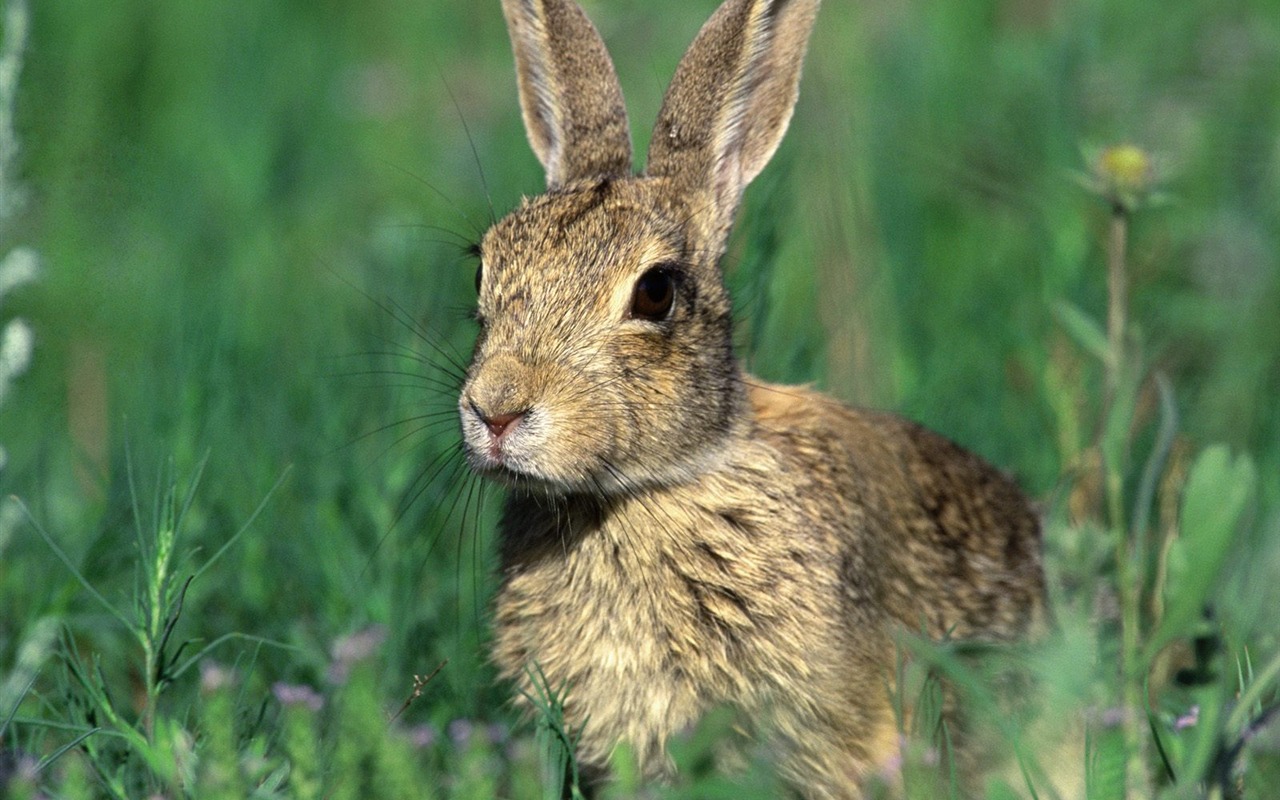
{"x": 655, "y": 293}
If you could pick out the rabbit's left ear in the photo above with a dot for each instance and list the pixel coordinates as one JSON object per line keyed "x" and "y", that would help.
{"x": 731, "y": 100}
{"x": 569, "y": 93}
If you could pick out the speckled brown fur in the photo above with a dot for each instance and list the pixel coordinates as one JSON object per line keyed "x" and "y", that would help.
{"x": 679, "y": 535}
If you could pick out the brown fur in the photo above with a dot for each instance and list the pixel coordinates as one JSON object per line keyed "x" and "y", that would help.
{"x": 678, "y": 535}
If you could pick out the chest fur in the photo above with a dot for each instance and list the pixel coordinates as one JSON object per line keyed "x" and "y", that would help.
{"x": 645, "y": 626}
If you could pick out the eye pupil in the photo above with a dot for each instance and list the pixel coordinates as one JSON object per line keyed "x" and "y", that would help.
{"x": 655, "y": 293}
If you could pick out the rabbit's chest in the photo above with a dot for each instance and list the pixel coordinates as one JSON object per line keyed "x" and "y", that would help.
{"x": 640, "y": 646}
{"x": 646, "y": 619}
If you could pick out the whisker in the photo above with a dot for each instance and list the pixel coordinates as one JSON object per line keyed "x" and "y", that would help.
{"x": 462, "y": 532}
{"x": 475, "y": 154}
{"x": 439, "y": 193}
{"x": 463, "y": 243}
{"x": 469, "y": 483}
{"x": 422, "y": 333}
{"x": 441, "y": 458}
{"x": 428, "y": 381}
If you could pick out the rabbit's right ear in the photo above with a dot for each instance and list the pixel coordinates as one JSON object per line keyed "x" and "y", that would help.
{"x": 730, "y": 102}
{"x": 569, "y": 93}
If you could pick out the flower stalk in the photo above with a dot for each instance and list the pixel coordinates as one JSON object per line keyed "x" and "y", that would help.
{"x": 1123, "y": 175}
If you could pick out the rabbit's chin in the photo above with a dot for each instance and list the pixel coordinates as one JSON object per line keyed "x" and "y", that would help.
{"x": 603, "y": 480}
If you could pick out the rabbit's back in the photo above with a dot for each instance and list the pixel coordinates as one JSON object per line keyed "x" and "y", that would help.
{"x": 932, "y": 533}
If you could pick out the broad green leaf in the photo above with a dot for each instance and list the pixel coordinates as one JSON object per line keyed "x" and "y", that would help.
{"x": 1217, "y": 493}
{"x": 1105, "y": 776}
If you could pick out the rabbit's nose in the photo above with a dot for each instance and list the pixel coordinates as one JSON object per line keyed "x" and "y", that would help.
{"x": 498, "y": 424}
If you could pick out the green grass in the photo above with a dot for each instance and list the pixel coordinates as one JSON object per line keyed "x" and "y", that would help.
{"x": 243, "y": 216}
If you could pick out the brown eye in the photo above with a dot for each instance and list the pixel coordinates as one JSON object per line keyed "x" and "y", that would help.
{"x": 654, "y": 295}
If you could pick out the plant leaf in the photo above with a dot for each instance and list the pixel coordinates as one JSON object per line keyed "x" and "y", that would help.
{"x": 1083, "y": 329}
{"x": 1217, "y": 493}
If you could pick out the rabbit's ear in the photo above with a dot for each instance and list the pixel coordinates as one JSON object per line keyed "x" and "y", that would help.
{"x": 569, "y": 92}
{"x": 731, "y": 100}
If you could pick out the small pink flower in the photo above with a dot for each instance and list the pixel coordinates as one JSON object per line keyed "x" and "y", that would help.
{"x": 1113, "y": 717}
{"x": 931, "y": 757}
{"x": 424, "y": 736}
{"x": 497, "y": 733}
{"x": 347, "y": 651}
{"x": 293, "y": 694}
{"x": 460, "y": 731}
{"x": 215, "y": 677}
{"x": 1187, "y": 720}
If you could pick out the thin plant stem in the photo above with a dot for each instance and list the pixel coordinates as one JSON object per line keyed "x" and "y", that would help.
{"x": 1117, "y": 296}
{"x": 1129, "y": 572}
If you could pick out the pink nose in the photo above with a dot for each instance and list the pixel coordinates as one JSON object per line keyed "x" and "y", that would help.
{"x": 499, "y": 424}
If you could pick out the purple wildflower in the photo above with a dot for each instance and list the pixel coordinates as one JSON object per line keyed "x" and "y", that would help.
{"x": 424, "y": 736}
{"x": 294, "y": 694}
{"x": 497, "y": 732}
{"x": 1113, "y": 717}
{"x": 1187, "y": 720}
{"x": 347, "y": 651}
{"x": 460, "y": 731}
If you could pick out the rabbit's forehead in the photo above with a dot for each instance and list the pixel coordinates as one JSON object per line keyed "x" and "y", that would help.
{"x": 595, "y": 233}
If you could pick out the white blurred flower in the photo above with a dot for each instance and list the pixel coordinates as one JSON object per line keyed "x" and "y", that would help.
{"x": 12, "y": 44}
{"x": 16, "y": 338}
{"x": 20, "y": 266}
{"x": 15, "y": 351}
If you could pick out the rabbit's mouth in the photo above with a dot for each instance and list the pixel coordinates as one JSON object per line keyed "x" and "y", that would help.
{"x": 517, "y": 449}
{"x": 498, "y": 443}
{"x": 522, "y": 452}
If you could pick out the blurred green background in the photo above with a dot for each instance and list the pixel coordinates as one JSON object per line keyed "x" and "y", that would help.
{"x": 240, "y": 206}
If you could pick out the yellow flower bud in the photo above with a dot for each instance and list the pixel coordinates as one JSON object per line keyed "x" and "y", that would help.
{"x": 1125, "y": 174}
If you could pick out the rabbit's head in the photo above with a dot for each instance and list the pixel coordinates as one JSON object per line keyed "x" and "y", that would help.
{"x": 604, "y": 362}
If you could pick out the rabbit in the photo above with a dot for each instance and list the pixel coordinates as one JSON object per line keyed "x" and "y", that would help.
{"x": 678, "y": 535}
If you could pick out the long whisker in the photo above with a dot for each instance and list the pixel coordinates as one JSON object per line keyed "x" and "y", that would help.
{"x": 471, "y": 142}
{"x": 469, "y": 481}
{"x": 439, "y": 193}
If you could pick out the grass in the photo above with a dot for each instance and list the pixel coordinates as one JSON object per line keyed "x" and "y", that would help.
{"x": 240, "y": 539}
